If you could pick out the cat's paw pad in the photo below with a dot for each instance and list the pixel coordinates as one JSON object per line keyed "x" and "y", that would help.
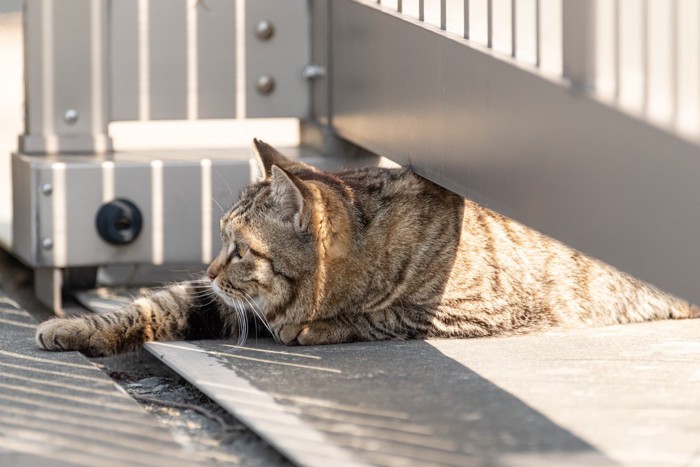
{"x": 313, "y": 333}
{"x": 63, "y": 334}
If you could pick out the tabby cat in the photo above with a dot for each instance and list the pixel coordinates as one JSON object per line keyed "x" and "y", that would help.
{"x": 370, "y": 254}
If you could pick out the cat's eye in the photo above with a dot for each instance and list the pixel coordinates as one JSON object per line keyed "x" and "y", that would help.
{"x": 242, "y": 250}
{"x": 238, "y": 252}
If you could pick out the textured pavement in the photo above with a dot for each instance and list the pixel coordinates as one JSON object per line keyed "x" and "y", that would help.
{"x": 59, "y": 409}
{"x": 617, "y": 395}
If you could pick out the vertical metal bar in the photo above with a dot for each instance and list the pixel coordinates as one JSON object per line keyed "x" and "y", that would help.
{"x": 675, "y": 62}
{"x": 513, "y": 28}
{"x": 421, "y": 10}
{"x": 240, "y": 52}
{"x": 466, "y": 19}
{"x": 443, "y": 15}
{"x": 489, "y": 23}
{"x": 191, "y": 59}
{"x": 399, "y": 6}
{"x": 616, "y": 51}
{"x": 329, "y": 61}
{"x": 538, "y": 34}
{"x": 578, "y": 43}
{"x": 144, "y": 61}
{"x": 644, "y": 40}
{"x": 688, "y": 63}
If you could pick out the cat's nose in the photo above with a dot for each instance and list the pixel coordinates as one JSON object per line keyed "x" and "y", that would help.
{"x": 212, "y": 271}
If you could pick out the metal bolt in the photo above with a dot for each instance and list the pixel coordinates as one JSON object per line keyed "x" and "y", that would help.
{"x": 47, "y": 189}
{"x": 47, "y": 243}
{"x": 265, "y": 84}
{"x": 314, "y": 71}
{"x": 71, "y": 116}
{"x": 264, "y": 30}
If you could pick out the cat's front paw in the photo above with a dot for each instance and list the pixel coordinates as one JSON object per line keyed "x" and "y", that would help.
{"x": 314, "y": 333}
{"x": 288, "y": 333}
{"x": 65, "y": 334}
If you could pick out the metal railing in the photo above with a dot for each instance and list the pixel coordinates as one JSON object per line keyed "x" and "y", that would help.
{"x": 642, "y": 56}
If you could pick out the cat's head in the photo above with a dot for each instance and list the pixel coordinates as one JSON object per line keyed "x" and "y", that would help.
{"x": 275, "y": 238}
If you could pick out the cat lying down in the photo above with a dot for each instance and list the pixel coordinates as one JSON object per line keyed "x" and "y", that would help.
{"x": 370, "y": 254}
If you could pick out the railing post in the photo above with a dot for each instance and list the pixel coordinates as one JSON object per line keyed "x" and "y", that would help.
{"x": 578, "y": 43}
{"x": 66, "y": 77}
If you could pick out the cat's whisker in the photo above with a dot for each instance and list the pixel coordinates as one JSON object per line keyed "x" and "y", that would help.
{"x": 259, "y": 313}
{"x": 242, "y": 323}
{"x": 233, "y": 197}
{"x": 219, "y": 205}
{"x": 201, "y": 293}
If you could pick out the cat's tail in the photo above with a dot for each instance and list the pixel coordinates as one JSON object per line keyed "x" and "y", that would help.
{"x": 693, "y": 311}
{"x": 636, "y": 301}
{"x": 652, "y": 304}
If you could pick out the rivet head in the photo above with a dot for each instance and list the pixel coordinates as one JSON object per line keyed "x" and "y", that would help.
{"x": 265, "y": 84}
{"x": 47, "y": 189}
{"x": 47, "y": 243}
{"x": 71, "y": 116}
{"x": 264, "y": 30}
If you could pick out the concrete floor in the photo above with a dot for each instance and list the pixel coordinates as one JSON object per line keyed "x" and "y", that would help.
{"x": 617, "y": 395}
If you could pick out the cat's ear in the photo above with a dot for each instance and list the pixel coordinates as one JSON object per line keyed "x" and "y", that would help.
{"x": 289, "y": 192}
{"x": 268, "y": 156}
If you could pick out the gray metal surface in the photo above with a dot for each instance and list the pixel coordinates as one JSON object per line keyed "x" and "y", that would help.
{"x": 320, "y": 24}
{"x": 606, "y": 183}
{"x": 618, "y": 395}
{"x": 216, "y": 60}
{"x": 181, "y": 61}
{"x": 181, "y": 195}
{"x": 398, "y": 403}
{"x": 176, "y": 191}
{"x": 59, "y": 409}
{"x": 282, "y": 57}
{"x": 66, "y": 73}
{"x": 125, "y": 67}
{"x": 167, "y": 59}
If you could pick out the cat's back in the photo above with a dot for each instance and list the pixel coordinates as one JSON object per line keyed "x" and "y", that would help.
{"x": 408, "y": 230}
{"x": 399, "y": 191}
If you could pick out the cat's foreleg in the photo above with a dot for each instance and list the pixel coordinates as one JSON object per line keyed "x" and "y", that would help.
{"x": 182, "y": 311}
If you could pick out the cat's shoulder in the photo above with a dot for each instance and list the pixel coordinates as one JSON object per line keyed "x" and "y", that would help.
{"x": 376, "y": 180}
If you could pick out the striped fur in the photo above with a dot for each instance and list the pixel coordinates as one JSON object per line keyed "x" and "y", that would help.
{"x": 370, "y": 254}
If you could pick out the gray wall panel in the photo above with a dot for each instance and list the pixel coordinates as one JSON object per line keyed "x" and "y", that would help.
{"x": 605, "y": 183}
{"x": 282, "y": 57}
{"x": 71, "y": 46}
{"x": 167, "y": 36}
{"x": 216, "y": 57}
{"x": 181, "y": 211}
{"x": 124, "y": 60}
